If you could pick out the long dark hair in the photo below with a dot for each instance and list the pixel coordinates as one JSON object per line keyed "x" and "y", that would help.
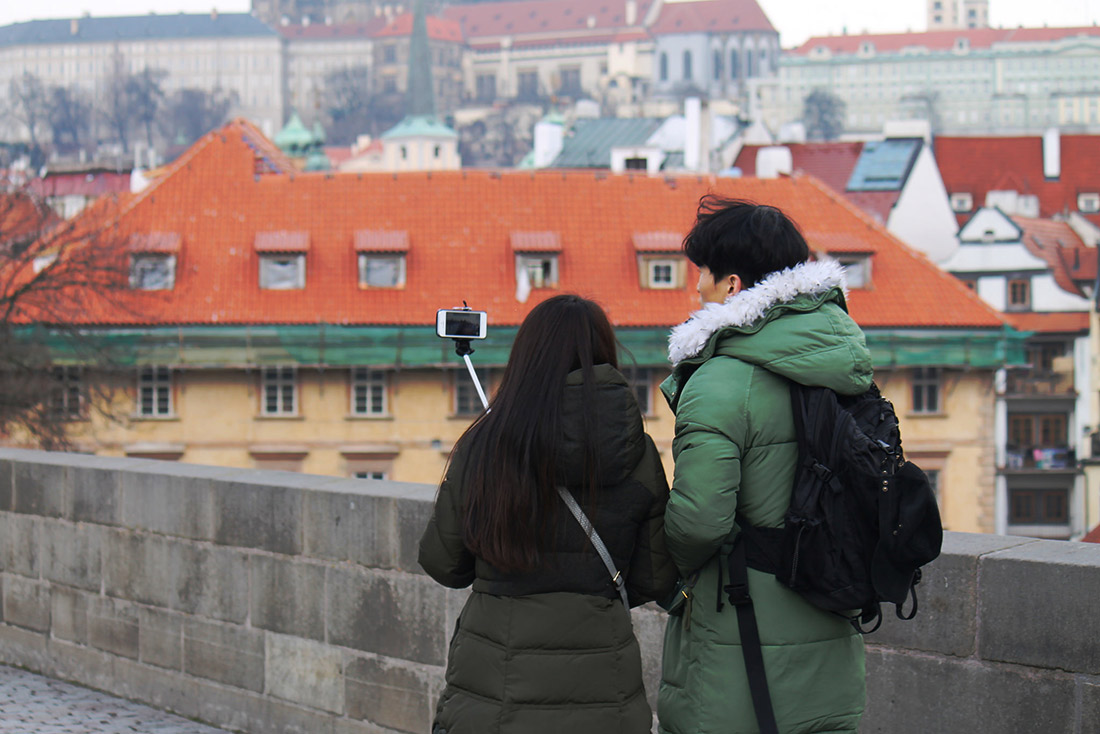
{"x": 512, "y": 451}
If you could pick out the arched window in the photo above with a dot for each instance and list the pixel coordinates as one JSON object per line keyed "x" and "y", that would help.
{"x": 749, "y": 66}
{"x": 687, "y": 66}
{"x": 717, "y": 66}
{"x": 762, "y": 66}
{"x": 735, "y": 67}
{"x": 664, "y": 66}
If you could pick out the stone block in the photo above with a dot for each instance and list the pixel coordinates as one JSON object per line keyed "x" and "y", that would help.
{"x": 1089, "y": 715}
{"x": 224, "y": 653}
{"x": 97, "y": 491}
{"x": 412, "y": 517}
{"x": 161, "y": 502}
{"x": 71, "y": 554}
{"x": 352, "y": 726}
{"x": 113, "y": 626}
{"x": 7, "y": 495}
{"x": 947, "y": 595}
{"x": 178, "y": 574}
{"x": 69, "y": 615}
{"x": 305, "y": 672}
{"x": 388, "y": 613}
{"x": 40, "y": 489}
{"x": 19, "y": 544}
{"x": 26, "y": 603}
{"x": 258, "y": 516}
{"x": 350, "y": 527}
{"x": 389, "y": 693}
{"x": 1027, "y": 601}
{"x": 288, "y": 596}
{"x": 25, "y": 648}
{"x": 649, "y": 628}
{"x": 160, "y": 638}
{"x": 916, "y": 693}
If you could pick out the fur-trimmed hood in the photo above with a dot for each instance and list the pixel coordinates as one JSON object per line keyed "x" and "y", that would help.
{"x": 745, "y": 308}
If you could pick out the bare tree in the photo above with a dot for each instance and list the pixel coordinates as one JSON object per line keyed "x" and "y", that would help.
{"x": 29, "y": 103}
{"x": 189, "y": 113}
{"x": 50, "y": 272}
{"x": 347, "y": 104}
{"x": 145, "y": 98}
{"x": 69, "y": 117}
{"x": 823, "y": 115}
{"x": 115, "y": 104}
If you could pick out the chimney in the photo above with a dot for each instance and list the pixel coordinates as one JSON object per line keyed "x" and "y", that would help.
{"x": 693, "y": 117}
{"x": 631, "y": 12}
{"x": 74, "y": 27}
{"x": 1052, "y": 154}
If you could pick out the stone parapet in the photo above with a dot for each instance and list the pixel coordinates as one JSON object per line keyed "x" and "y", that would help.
{"x": 278, "y": 602}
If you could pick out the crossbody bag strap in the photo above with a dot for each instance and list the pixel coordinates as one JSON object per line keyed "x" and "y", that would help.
{"x": 597, "y": 542}
{"x": 751, "y": 650}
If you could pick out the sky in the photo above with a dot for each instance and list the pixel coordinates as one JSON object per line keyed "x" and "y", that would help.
{"x": 796, "y": 20}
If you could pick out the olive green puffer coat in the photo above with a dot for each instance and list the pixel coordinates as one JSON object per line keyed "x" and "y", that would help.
{"x": 552, "y": 651}
{"x": 735, "y": 453}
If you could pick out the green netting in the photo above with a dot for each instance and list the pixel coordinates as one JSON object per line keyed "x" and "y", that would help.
{"x": 418, "y": 346}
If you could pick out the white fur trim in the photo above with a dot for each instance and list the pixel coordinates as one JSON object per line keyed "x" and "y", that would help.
{"x": 742, "y": 309}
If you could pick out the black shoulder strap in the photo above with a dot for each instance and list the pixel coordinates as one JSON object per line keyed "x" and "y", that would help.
{"x": 738, "y": 592}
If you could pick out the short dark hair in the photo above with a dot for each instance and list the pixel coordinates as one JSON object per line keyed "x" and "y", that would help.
{"x": 737, "y": 237}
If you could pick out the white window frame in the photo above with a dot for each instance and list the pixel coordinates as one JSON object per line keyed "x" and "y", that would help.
{"x": 268, "y": 281}
{"x": 857, "y": 270}
{"x": 542, "y": 269}
{"x": 1088, "y": 203}
{"x": 279, "y": 382}
{"x": 962, "y": 202}
{"x": 653, "y": 264}
{"x": 365, "y": 259}
{"x": 369, "y": 392}
{"x": 926, "y": 390}
{"x": 640, "y": 380}
{"x": 142, "y": 265}
{"x": 155, "y": 383}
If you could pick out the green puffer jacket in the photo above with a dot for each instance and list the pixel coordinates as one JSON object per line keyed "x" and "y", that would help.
{"x": 552, "y": 651}
{"x": 735, "y": 453}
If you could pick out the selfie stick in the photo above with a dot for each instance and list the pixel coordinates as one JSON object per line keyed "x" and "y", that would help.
{"x": 464, "y": 350}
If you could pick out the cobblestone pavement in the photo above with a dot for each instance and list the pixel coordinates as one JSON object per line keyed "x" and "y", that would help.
{"x": 33, "y": 704}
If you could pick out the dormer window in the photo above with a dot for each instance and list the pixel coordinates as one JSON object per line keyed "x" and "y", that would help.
{"x": 153, "y": 261}
{"x": 1088, "y": 203}
{"x": 962, "y": 202}
{"x": 857, "y": 269}
{"x": 282, "y": 259}
{"x": 536, "y": 258}
{"x": 381, "y": 256}
{"x": 660, "y": 264}
{"x": 962, "y": 45}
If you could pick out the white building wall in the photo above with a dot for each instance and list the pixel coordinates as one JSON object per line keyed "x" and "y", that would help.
{"x": 1047, "y": 295}
{"x": 922, "y": 216}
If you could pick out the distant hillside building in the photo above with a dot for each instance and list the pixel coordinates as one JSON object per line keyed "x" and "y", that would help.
{"x": 973, "y": 81}
{"x": 954, "y": 14}
{"x": 232, "y": 52}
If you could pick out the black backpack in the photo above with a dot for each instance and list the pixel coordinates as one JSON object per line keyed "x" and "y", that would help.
{"x": 861, "y": 523}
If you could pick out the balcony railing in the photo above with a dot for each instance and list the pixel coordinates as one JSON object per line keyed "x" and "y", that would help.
{"x": 1035, "y": 457}
{"x": 1040, "y": 382}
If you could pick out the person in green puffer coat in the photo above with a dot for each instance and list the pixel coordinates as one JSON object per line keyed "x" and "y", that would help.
{"x": 768, "y": 317}
{"x": 543, "y": 644}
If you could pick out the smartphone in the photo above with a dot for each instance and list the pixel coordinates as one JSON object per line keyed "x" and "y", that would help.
{"x": 460, "y": 324}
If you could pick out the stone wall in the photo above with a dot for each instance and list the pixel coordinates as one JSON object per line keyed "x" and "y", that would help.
{"x": 274, "y": 602}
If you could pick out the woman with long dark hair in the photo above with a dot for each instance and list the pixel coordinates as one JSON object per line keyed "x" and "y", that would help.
{"x": 544, "y": 643}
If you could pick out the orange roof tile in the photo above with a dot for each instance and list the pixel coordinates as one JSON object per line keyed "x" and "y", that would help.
{"x": 979, "y": 165}
{"x": 439, "y": 29}
{"x": 459, "y": 226}
{"x": 1070, "y": 260}
{"x": 1093, "y": 536}
{"x": 1061, "y": 322}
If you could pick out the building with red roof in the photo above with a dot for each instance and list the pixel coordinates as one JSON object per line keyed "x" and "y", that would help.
{"x": 1042, "y": 275}
{"x": 298, "y": 308}
{"x": 979, "y": 81}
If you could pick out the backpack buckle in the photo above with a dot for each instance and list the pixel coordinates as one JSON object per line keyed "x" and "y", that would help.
{"x": 738, "y": 594}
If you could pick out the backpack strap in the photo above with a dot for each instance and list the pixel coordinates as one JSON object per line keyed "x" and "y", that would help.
{"x": 738, "y": 593}
{"x": 616, "y": 576}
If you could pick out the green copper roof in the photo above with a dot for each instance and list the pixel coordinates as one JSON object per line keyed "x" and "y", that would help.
{"x": 590, "y": 142}
{"x": 294, "y": 137}
{"x": 420, "y": 126}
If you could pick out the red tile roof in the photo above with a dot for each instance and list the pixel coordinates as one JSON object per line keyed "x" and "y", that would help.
{"x": 711, "y": 16}
{"x": 1070, "y": 260}
{"x": 520, "y": 18}
{"x": 833, "y": 163}
{"x": 459, "y": 246}
{"x": 982, "y": 38}
{"x": 1060, "y": 322}
{"x": 439, "y": 29}
{"x": 1093, "y": 536}
{"x": 977, "y": 166}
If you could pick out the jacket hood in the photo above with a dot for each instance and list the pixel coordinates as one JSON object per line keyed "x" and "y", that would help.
{"x": 618, "y": 422}
{"x": 793, "y": 323}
